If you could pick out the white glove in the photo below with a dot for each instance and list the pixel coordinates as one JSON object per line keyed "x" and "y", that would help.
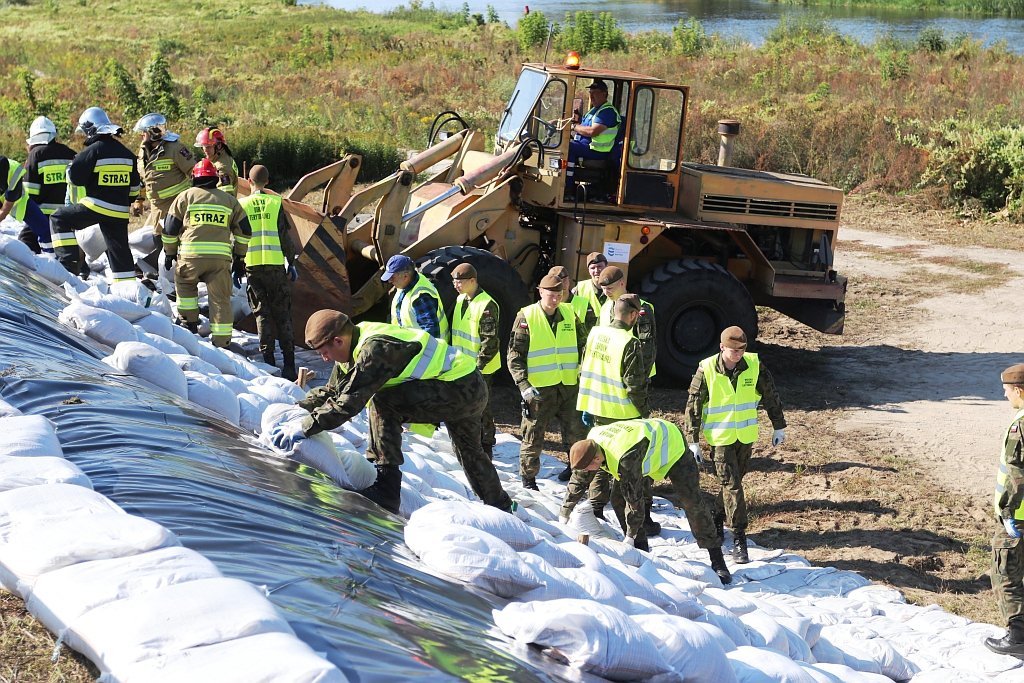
{"x": 778, "y": 436}
{"x": 1011, "y": 528}
{"x": 530, "y": 393}
{"x": 563, "y": 520}
{"x": 698, "y": 455}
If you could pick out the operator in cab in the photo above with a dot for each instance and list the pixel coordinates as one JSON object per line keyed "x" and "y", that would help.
{"x": 594, "y": 136}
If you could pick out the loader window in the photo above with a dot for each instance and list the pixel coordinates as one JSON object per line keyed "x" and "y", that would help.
{"x": 549, "y": 112}
{"x": 654, "y": 141}
{"x": 520, "y": 106}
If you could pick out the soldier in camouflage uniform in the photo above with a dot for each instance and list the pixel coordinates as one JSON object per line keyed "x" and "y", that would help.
{"x": 411, "y": 377}
{"x": 633, "y": 451}
{"x": 545, "y": 373}
{"x": 1007, "y": 548}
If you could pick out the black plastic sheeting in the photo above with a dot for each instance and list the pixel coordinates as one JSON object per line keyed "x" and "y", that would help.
{"x": 334, "y": 564}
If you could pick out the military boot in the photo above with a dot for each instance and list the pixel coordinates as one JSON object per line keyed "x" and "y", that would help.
{"x": 268, "y": 358}
{"x": 565, "y": 474}
{"x": 739, "y": 546}
{"x": 530, "y": 483}
{"x": 288, "y": 366}
{"x": 651, "y": 528}
{"x": 718, "y": 565}
{"x": 387, "y": 490}
{"x": 192, "y": 327}
{"x": 1012, "y": 643}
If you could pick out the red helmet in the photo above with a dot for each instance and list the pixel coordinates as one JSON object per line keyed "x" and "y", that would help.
{"x": 204, "y": 169}
{"x": 209, "y": 136}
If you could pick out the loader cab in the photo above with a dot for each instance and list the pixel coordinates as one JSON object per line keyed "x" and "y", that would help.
{"x": 644, "y": 167}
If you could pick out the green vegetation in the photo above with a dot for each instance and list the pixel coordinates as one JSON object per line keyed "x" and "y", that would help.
{"x": 294, "y": 86}
{"x": 1011, "y": 8}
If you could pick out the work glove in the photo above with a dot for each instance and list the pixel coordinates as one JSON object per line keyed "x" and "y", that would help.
{"x": 529, "y": 393}
{"x": 1011, "y": 528}
{"x": 286, "y": 436}
{"x": 169, "y": 261}
{"x": 588, "y": 419}
{"x": 293, "y": 272}
{"x": 778, "y": 436}
{"x": 698, "y": 455}
{"x": 237, "y": 270}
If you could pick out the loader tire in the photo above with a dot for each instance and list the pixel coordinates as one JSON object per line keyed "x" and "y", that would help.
{"x": 694, "y": 301}
{"x": 496, "y": 277}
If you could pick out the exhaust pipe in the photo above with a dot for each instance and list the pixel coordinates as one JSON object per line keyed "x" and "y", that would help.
{"x": 727, "y": 130}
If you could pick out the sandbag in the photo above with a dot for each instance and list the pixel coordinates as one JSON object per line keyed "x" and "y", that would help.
{"x": 146, "y": 362}
{"x": 757, "y": 665}
{"x": 632, "y": 584}
{"x": 158, "y": 324}
{"x": 729, "y": 624}
{"x": 212, "y": 395}
{"x": 18, "y": 251}
{"x": 263, "y": 658}
{"x": 7, "y": 410}
{"x": 220, "y": 359}
{"x": 133, "y": 291}
{"x": 171, "y": 619}
{"x": 194, "y": 363}
{"x": 474, "y": 557}
{"x": 250, "y": 411}
{"x": 235, "y": 384}
{"x": 484, "y": 517}
{"x": 16, "y": 472}
{"x": 598, "y": 587}
{"x": 103, "y": 326}
{"x": 29, "y": 436}
{"x": 864, "y": 654}
{"x": 556, "y": 586}
{"x": 61, "y": 596}
{"x": 92, "y": 242}
{"x": 690, "y": 650}
{"x": 291, "y": 388}
{"x": 125, "y": 307}
{"x": 594, "y": 637}
{"x": 179, "y": 335}
{"x": 51, "y": 270}
{"x": 161, "y": 344}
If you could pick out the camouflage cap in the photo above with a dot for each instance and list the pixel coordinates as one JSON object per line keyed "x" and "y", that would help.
{"x": 551, "y": 282}
{"x": 610, "y": 275}
{"x": 596, "y": 257}
{"x": 323, "y": 326}
{"x": 627, "y": 303}
{"x": 464, "y": 271}
{"x": 582, "y": 453}
{"x": 561, "y": 272}
{"x": 1013, "y": 374}
{"x": 734, "y": 338}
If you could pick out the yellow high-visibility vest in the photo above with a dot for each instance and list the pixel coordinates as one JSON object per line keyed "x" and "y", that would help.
{"x": 602, "y": 391}
{"x": 1003, "y": 475}
{"x": 553, "y": 357}
{"x": 436, "y": 360}
{"x": 466, "y": 328}
{"x": 666, "y": 444}
{"x": 731, "y": 414}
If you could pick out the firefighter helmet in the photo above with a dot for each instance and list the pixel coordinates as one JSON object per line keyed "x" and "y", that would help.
{"x": 41, "y": 131}
{"x": 154, "y": 124}
{"x": 204, "y": 169}
{"x": 94, "y": 121}
{"x": 209, "y": 136}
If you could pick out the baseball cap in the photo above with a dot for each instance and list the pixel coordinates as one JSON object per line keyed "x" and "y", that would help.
{"x": 598, "y": 84}
{"x": 397, "y": 263}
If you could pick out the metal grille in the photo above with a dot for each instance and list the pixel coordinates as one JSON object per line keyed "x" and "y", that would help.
{"x": 750, "y": 206}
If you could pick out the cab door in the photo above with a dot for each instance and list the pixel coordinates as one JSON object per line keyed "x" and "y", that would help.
{"x": 651, "y": 160}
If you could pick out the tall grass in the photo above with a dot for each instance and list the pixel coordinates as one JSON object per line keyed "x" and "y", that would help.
{"x": 1013, "y": 8}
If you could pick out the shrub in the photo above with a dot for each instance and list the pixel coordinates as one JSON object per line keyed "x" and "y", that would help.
{"x": 585, "y": 32}
{"x": 932, "y": 39}
{"x": 532, "y": 30}
{"x": 689, "y": 37}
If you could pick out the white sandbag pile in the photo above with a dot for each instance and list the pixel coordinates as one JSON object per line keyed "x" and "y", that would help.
{"x": 120, "y": 589}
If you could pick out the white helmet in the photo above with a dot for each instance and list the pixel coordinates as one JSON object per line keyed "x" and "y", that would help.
{"x": 41, "y": 131}
{"x": 154, "y": 124}
{"x": 94, "y": 121}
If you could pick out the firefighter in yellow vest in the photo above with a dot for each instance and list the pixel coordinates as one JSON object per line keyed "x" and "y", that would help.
{"x": 633, "y": 451}
{"x": 216, "y": 149}
{"x": 543, "y": 359}
{"x": 590, "y": 291}
{"x": 475, "y": 332}
{"x": 207, "y": 232}
{"x": 415, "y": 303}
{"x": 165, "y": 165}
{"x": 411, "y": 377}
{"x": 1007, "y": 548}
{"x": 269, "y": 265}
{"x": 724, "y": 396}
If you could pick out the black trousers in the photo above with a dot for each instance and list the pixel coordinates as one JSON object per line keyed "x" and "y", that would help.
{"x": 68, "y": 219}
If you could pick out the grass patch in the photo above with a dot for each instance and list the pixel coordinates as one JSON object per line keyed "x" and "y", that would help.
{"x": 26, "y": 649}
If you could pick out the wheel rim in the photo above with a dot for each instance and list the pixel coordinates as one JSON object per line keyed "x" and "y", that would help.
{"x": 694, "y": 329}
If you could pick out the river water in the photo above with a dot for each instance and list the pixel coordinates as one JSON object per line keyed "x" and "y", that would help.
{"x": 747, "y": 20}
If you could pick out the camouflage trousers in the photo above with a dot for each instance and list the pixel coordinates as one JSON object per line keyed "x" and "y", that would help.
{"x": 731, "y": 464}
{"x": 558, "y": 402}
{"x": 630, "y": 495}
{"x": 1008, "y": 574}
{"x": 487, "y": 429}
{"x": 458, "y": 404}
{"x": 216, "y": 273}
{"x": 270, "y": 296}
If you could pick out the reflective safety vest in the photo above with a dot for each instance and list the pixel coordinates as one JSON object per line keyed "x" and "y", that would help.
{"x": 466, "y": 328}
{"x": 436, "y": 360}
{"x": 666, "y": 444}
{"x": 605, "y": 318}
{"x": 263, "y": 211}
{"x": 586, "y": 295}
{"x": 1003, "y": 476}
{"x": 602, "y": 391}
{"x": 404, "y": 316}
{"x": 15, "y": 173}
{"x": 731, "y": 414}
{"x": 112, "y": 173}
{"x": 51, "y": 172}
{"x": 605, "y": 140}
{"x": 553, "y": 357}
